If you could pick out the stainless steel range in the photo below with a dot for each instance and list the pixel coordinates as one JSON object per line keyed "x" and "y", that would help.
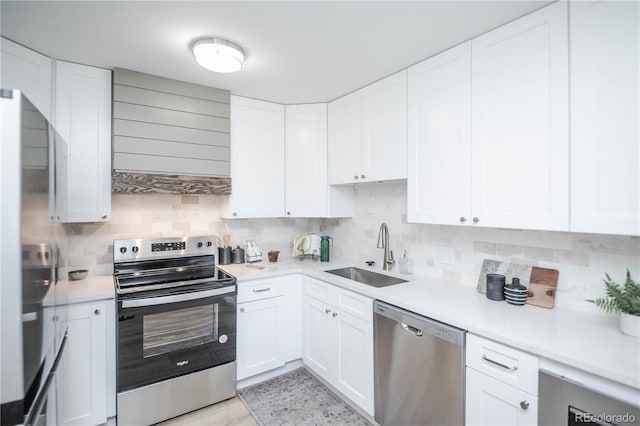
{"x": 176, "y": 349}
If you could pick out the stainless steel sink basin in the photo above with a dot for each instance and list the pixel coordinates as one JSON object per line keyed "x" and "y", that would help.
{"x": 366, "y": 277}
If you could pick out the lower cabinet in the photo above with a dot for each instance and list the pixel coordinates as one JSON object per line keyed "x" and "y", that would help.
{"x": 501, "y": 384}
{"x": 83, "y": 380}
{"x": 260, "y": 336}
{"x": 338, "y": 341}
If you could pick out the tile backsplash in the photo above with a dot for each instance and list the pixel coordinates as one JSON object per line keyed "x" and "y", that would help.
{"x": 452, "y": 253}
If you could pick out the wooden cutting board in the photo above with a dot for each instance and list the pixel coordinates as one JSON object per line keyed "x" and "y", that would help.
{"x": 542, "y": 287}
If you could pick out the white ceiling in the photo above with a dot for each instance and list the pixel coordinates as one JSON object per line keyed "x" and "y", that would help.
{"x": 298, "y": 51}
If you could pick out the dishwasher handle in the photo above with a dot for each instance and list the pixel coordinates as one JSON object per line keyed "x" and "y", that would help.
{"x": 407, "y": 327}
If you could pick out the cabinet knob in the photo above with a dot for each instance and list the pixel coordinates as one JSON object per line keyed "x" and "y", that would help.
{"x": 363, "y": 176}
{"x": 463, "y": 219}
{"x": 356, "y": 177}
{"x": 335, "y": 314}
{"x": 241, "y": 309}
{"x": 288, "y": 213}
{"x": 104, "y": 216}
{"x": 524, "y": 405}
{"x": 97, "y": 312}
{"x": 476, "y": 220}
{"x": 235, "y": 214}
{"x": 326, "y": 311}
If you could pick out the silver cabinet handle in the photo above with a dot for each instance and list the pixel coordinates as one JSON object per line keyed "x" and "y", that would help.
{"x": 499, "y": 364}
{"x": 356, "y": 177}
{"x": 104, "y": 216}
{"x": 476, "y": 220}
{"x": 326, "y": 311}
{"x": 463, "y": 219}
{"x": 235, "y": 214}
{"x": 289, "y": 213}
{"x": 335, "y": 314}
{"x": 261, "y": 290}
{"x": 524, "y": 405}
{"x": 96, "y": 312}
{"x": 241, "y": 309}
{"x": 363, "y": 176}
{"x": 407, "y": 327}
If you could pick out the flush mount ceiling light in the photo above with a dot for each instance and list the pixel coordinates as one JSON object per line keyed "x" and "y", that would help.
{"x": 219, "y": 55}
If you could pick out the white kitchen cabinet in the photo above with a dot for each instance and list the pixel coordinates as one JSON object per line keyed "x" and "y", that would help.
{"x": 338, "y": 340}
{"x": 520, "y": 140}
{"x": 368, "y": 133}
{"x": 491, "y": 402}
{"x": 261, "y": 333}
{"x": 605, "y": 111}
{"x": 257, "y": 160}
{"x": 439, "y": 142}
{"x": 307, "y": 192}
{"x": 501, "y": 384}
{"x": 84, "y": 369}
{"x": 28, "y": 71}
{"x": 83, "y": 119}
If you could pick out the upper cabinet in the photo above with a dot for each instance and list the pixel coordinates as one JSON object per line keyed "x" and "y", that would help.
{"x": 368, "y": 133}
{"x": 169, "y": 127}
{"x": 307, "y": 191}
{"x": 27, "y": 71}
{"x": 83, "y": 119}
{"x": 257, "y": 159}
{"x": 520, "y": 123}
{"x": 605, "y": 132}
{"x": 439, "y": 144}
{"x": 488, "y": 129}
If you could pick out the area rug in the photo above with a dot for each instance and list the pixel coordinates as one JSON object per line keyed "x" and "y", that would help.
{"x": 297, "y": 398}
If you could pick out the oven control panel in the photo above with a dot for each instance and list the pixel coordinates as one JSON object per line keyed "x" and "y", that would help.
{"x": 162, "y": 248}
{"x": 172, "y": 245}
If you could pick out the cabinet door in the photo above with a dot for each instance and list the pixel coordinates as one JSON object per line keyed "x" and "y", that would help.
{"x": 354, "y": 365}
{"x": 260, "y": 336}
{"x": 27, "y": 71}
{"x": 605, "y": 109}
{"x": 306, "y": 160}
{"x": 317, "y": 347}
{"x": 345, "y": 139}
{"x": 439, "y": 160}
{"x": 520, "y": 175}
{"x": 83, "y": 119}
{"x": 490, "y": 402}
{"x": 257, "y": 159}
{"x": 384, "y": 129}
{"x": 84, "y": 369}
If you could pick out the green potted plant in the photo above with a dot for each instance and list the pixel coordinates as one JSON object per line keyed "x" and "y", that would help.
{"x": 625, "y": 300}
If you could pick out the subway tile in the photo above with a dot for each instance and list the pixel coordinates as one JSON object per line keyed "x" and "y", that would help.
{"x": 484, "y": 247}
{"x": 538, "y": 253}
{"x": 190, "y": 199}
{"x": 509, "y": 250}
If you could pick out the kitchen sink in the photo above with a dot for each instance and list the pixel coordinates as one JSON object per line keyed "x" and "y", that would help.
{"x": 366, "y": 277}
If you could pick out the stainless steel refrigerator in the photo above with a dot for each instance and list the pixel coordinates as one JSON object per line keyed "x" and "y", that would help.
{"x": 32, "y": 253}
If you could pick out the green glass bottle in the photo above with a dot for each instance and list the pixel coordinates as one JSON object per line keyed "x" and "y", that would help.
{"x": 324, "y": 248}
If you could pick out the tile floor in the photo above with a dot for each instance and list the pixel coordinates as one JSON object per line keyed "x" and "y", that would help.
{"x": 231, "y": 412}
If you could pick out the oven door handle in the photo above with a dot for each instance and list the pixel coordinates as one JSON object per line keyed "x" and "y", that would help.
{"x": 151, "y": 301}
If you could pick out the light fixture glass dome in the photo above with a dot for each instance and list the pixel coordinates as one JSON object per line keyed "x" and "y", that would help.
{"x": 219, "y": 55}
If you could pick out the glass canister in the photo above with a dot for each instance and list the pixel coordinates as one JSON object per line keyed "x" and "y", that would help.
{"x": 324, "y": 247}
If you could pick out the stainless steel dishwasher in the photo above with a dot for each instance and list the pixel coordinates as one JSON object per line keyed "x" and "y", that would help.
{"x": 419, "y": 369}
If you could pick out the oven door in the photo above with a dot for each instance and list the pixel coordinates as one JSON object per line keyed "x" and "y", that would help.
{"x": 167, "y": 336}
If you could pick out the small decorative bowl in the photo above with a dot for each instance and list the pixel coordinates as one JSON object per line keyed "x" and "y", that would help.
{"x": 78, "y": 274}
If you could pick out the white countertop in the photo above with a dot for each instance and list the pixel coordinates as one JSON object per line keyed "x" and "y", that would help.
{"x": 93, "y": 287}
{"x": 584, "y": 341}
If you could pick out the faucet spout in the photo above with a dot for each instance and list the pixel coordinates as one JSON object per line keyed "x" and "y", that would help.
{"x": 383, "y": 243}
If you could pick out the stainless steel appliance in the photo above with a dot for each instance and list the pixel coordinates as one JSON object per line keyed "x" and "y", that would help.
{"x": 176, "y": 328}
{"x": 566, "y": 401}
{"x": 32, "y": 313}
{"x": 419, "y": 369}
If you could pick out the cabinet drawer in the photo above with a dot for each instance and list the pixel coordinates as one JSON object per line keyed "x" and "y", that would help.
{"x": 260, "y": 289}
{"x": 317, "y": 289}
{"x": 356, "y": 304}
{"x": 503, "y": 363}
